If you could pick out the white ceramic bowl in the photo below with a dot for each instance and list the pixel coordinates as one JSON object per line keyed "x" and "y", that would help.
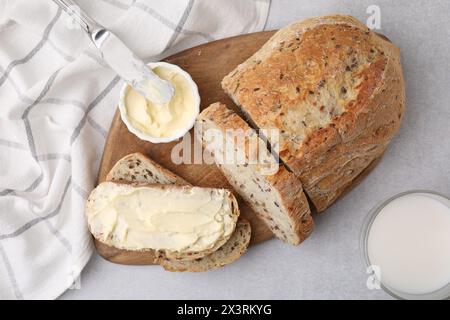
{"x": 182, "y": 131}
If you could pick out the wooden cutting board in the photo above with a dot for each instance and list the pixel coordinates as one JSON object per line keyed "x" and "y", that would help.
{"x": 207, "y": 64}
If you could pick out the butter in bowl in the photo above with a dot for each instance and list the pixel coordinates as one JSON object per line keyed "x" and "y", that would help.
{"x": 161, "y": 123}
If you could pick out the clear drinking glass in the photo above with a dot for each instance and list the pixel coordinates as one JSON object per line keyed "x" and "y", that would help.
{"x": 441, "y": 294}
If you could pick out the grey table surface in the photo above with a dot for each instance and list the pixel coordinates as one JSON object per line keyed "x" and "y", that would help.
{"x": 328, "y": 265}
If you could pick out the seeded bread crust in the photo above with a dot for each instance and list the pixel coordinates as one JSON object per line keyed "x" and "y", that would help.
{"x": 284, "y": 207}
{"x": 235, "y": 247}
{"x": 137, "y": 168}
{"x": 145, "y": 170}
{"x": 335, "y": 91}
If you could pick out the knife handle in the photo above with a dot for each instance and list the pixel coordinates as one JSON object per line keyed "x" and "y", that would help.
{"x": 74, "y": 11}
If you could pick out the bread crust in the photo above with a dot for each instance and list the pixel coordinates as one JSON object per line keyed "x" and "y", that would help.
{"x": 129, "y": 163}
{"x": 235, "y": 247}
{"x": 286, "y": 183}
{"x": 353, "y": 76}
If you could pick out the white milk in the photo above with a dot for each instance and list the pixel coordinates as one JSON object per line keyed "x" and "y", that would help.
{"x": 409, "y": 241}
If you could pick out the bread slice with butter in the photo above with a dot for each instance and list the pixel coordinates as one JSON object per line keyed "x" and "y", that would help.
{"x": 137, "y": 168}
{"x": 275, "y": 195}
{"x": 170, "y": 219}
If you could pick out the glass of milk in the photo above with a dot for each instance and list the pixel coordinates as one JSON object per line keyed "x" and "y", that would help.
{"x": 406, "y": 245}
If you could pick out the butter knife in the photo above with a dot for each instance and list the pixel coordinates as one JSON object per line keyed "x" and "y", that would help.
{"x": 120, "y": 58}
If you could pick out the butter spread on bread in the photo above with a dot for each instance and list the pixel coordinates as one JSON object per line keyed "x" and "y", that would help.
{"x": 138, "y": 168}
{"x": 335, "y": 91}
{"x": 161, "y": 217}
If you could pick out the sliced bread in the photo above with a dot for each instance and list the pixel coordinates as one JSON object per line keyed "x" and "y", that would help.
{"x": 145, "y": 170}
{"x": 137, "y": 168}
{"x": 175, "y": 220}
{"x": 277, "y": 197}
{"x": 235, "y": 247}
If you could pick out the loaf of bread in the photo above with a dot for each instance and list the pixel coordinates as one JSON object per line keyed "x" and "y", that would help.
{"x": 334, "y": 90}
{"x": 276, "y": 197}
{"x": 138, "y": 168}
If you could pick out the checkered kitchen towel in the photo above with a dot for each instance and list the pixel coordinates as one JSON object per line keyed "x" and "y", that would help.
{"x": 57, "y": 99}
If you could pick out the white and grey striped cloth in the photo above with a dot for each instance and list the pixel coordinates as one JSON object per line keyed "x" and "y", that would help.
{"x": 57, "y": 100}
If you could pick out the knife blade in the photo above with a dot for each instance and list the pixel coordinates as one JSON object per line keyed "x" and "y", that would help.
{"x": 120, "y": 58}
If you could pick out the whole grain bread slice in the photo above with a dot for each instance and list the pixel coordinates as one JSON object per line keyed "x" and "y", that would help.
{"x": 138, "y": 168}
{"x": 275, "y": 195}
{"x": 235, "y": 247}
{"x": 106, "y": 191}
